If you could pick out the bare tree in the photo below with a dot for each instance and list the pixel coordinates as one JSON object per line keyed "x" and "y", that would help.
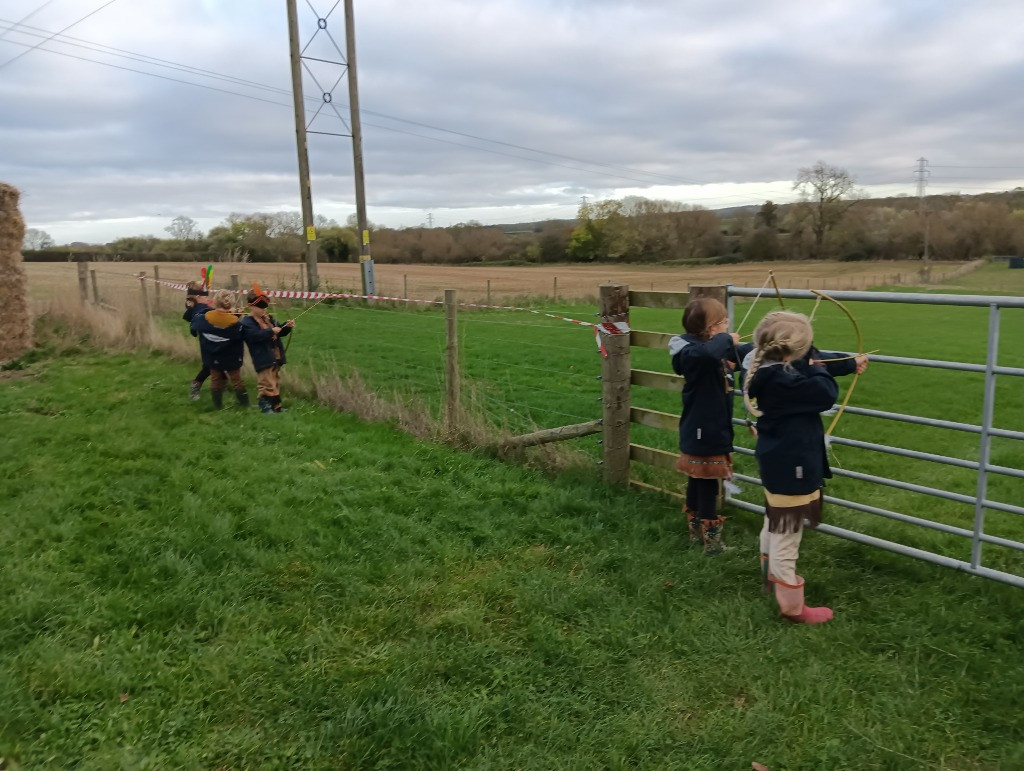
{"x": 183, "y": 229}
{"x": 36, "y": 239}
{"x": 825, "y": 195}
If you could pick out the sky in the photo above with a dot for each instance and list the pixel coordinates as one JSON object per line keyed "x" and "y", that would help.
{"x": 118, "y": 116}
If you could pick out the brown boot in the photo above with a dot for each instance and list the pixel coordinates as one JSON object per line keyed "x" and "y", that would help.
{"x": 711, "y": 531}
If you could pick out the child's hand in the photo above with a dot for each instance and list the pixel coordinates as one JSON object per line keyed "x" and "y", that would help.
{"x": 277, "y": 330}
{"x": 290, "y": 323}
{"x": 735, "y": 338}
{"x": 862, "y": 362}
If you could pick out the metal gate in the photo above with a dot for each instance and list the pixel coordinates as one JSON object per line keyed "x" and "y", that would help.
{"x": 978, "y": 504}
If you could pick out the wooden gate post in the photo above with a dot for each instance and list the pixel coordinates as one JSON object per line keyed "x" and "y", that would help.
{"x": 717, "y": 291}
{"x": 615, "y": 377}
{"x": 83, "y": 281}
{"x": 451, "y": 402}
{"x": 95, "y": 287}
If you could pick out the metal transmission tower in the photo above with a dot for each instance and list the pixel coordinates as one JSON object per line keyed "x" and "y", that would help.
{"x": 300, "y": 60}
{"x": 922, "y": 182}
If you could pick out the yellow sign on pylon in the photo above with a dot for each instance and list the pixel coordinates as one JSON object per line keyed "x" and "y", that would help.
{"x": 311, "y": 233}
{"x": 366, "y": 236}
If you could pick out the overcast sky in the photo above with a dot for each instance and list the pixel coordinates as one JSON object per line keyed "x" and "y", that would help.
{"x": 496, "y": 110}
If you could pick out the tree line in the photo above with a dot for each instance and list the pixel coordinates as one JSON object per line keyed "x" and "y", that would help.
{"x": 830, "y": 220}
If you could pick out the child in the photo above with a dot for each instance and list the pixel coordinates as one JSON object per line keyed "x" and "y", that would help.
{"x": 263, "y": 336}
{"x": 792, "y": 386}
{"x": 220, "y": 342}
{"x": 195, "y": 302}
{"x": 705, "y": 355}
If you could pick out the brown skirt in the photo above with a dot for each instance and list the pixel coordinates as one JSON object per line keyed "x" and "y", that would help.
{"x": 705, "y": 466}
{"x": 786, "y": 513}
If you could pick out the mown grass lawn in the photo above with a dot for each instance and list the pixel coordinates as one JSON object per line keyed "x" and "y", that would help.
{"x": 186, "y": 588}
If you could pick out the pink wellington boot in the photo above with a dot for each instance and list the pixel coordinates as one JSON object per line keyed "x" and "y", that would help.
{"x": 792, "y": 608}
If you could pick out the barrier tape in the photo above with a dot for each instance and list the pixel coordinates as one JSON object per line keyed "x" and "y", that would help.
{"x": 605, "y": 327}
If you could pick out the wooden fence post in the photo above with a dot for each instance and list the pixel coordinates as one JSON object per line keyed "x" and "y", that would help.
{"x": 405, "y": 286}
{"x": 488, "y": 291}
{"x": 95, "y": 288}
{"x": 451, "y": 402}
{"x": 615, "y": 377}
{"x": 83, "y": 281}
{"x": 554, "y": 288}
{"x": 156, "y": 288}
{"x": 145, "y": 295}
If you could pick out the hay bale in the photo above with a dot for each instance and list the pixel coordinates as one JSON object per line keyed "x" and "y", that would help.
{"x": 16, "y": 338}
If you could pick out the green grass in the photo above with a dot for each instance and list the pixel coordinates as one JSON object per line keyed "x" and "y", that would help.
{"x": 524, "y": 370}
{"x": 186, "y": 588}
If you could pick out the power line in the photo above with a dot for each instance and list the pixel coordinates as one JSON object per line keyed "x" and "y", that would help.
{"x": 41, "y": 42}
{"x": 25, "y": 18}
{"x": 98, "y": 48}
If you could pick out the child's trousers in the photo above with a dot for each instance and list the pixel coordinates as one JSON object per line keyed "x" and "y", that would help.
{"x": 219, "y": 379}
{"x": 785, "y": 515}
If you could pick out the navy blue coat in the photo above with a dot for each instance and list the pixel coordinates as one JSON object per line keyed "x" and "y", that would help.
{"x": 790, "y": 437}
{"x": 264, "y": 348}
{"x": 220, "y": 339}
{"x": 705, "y": 427}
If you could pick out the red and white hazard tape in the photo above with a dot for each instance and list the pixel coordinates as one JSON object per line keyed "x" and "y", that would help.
{"x": 606, "y": 327}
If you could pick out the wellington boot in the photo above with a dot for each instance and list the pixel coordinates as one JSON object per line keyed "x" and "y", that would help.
{"x": 243, "y": 398}
{"x": 193, "y": 390}
{"x": 265, "y": 406}
{"x": 693, "y": 525}
{"x": 711, "y": 532}
{"x": 218, "y": 399}
{"x": 792, "y": 608}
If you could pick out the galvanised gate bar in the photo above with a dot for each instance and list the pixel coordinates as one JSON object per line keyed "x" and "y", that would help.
{"x": 985, "y": 433}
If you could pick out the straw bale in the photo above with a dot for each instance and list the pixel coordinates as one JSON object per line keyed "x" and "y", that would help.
{"x": 16, "y": 338}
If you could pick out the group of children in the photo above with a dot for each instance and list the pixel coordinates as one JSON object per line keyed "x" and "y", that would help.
{"x": 222, "y": 332}
{"x": 792, "y": 383}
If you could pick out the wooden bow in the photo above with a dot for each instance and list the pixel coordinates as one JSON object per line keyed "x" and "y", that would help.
{"x": 860, "y": 350}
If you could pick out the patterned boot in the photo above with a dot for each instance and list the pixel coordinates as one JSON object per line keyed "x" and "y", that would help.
{"x": 264, "y": 404}
{"x": 693, "y": 525}
{"x": 193, "y": 390}
{"x": 711, "y": 530}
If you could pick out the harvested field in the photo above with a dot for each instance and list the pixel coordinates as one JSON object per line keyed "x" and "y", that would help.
{"x": 475, "y": 282}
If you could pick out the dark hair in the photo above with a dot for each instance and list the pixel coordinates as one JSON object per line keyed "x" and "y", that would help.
{"x": 701, "y": 313}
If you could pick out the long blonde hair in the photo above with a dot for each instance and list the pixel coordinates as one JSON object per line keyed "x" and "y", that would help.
{"x": 780, "y": 334}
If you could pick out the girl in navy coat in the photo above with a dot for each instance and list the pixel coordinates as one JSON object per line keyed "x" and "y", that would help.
{"x": 705, "y": 355}
{"x": 792, "y": 387}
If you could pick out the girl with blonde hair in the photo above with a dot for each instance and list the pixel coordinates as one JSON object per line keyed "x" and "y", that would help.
{"x": 792, "y": 386}
{"x": 705, "y": 355}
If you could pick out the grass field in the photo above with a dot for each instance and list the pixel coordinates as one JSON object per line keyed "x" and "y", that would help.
{"x": 186, "y": 588}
